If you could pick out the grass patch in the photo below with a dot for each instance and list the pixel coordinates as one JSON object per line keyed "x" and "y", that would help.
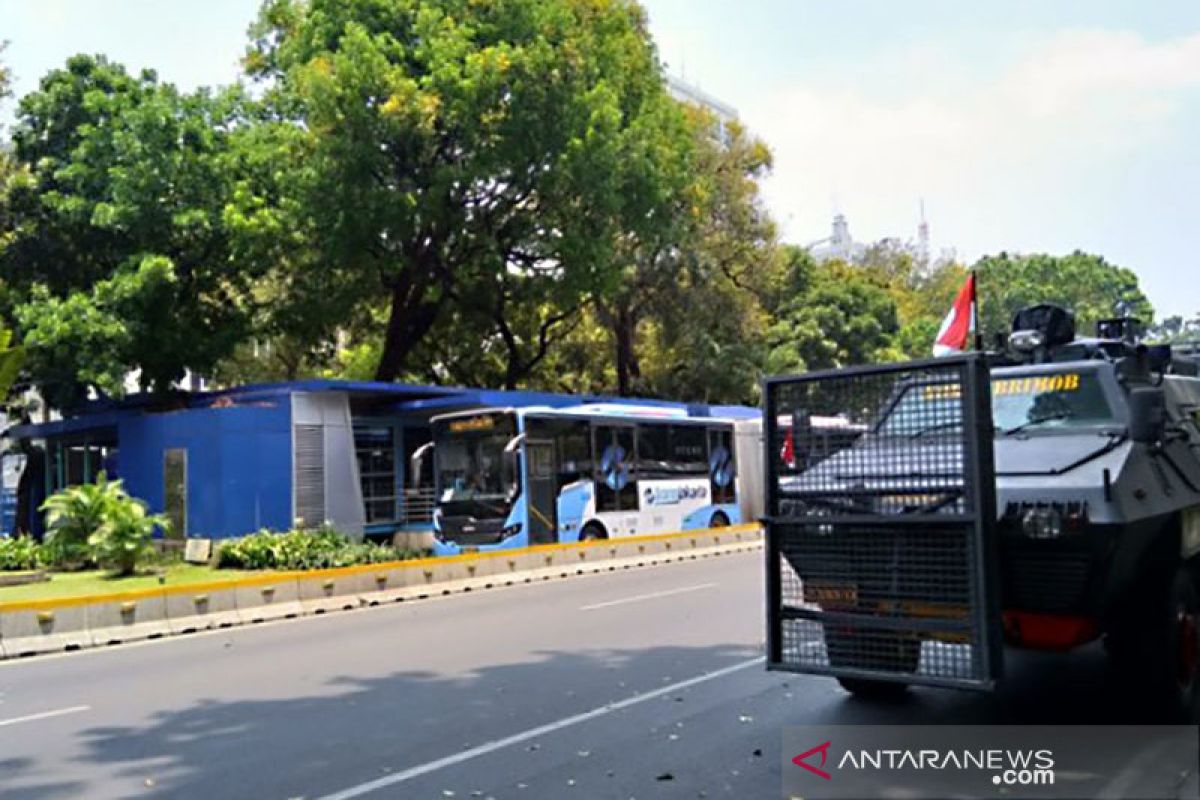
{"x": 94, "y": 582}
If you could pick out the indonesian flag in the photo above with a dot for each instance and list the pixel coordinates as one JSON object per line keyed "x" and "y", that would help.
{"x": 787, "y": 453}
{"x": 955, "y": 333}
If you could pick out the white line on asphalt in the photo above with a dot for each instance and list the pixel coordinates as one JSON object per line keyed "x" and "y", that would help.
{"x": 532, "y": 733}
{"x": 637, "y": 598}
{"x": 58, "y": 712}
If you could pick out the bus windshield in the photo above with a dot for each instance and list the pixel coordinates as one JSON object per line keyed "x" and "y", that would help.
{"x": 474, "y": 474}
{"x": 1028, "y": 403}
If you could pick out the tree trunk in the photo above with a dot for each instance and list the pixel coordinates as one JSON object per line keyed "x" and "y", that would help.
{"x": 628, "y": 367}
{"x": 412, "y": 316}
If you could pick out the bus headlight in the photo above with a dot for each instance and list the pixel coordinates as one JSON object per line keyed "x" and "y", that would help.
{"x": 510, "y": 530}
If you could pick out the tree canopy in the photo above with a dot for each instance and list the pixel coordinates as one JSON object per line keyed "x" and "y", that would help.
{"x": 118, "y": 253}
{"x": 448, "y": 191}
{"x": 444, "y": 152}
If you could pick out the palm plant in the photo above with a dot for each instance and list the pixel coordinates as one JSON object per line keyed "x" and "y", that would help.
{"x": 123, "y": 539}
{"x": 74, "y": 514}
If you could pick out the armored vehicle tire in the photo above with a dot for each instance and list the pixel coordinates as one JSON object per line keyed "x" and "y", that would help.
{"x": 874, "y": 649}
{"x": 1156, "y": 642}
{"x": 873, "y": 690}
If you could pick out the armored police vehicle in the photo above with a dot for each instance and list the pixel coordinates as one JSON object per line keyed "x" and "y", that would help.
{"x": 1043, "y": 498}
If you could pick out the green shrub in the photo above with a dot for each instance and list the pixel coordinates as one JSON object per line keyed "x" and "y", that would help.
{"x": 98, "y": 523}
{"x": 303, "y": 550}
{"x": 123, "y": 541}
{"x": 21, "y": 553}
{"x": 73, "y": 515}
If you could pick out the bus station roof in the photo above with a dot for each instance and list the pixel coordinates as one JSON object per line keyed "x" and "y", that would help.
{"x": 398, "y": 397}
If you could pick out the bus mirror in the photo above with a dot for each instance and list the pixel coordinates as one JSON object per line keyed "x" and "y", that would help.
{"x": 512, "y": 454}
{"x": 415, "y": 463}
{"x": 1147, "y": 414}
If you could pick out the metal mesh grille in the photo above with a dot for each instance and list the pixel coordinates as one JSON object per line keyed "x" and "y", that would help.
{"x": 879, "y": 485}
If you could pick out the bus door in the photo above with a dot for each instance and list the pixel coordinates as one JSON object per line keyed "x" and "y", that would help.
{"x": 542, "y": 491}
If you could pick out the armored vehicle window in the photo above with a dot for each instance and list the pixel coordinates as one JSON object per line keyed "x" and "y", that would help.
{"x": 1026, "y": 403}
{"x": 1058, "y": 400}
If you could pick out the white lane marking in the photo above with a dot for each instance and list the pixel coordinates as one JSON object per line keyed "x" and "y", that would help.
{"x": 532, "y": 733}
{"x": 637, "y": 598}
{"x": 58, "y": 712}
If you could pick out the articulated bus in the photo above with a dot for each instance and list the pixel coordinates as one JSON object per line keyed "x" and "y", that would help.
{"x": 516, "y": 477}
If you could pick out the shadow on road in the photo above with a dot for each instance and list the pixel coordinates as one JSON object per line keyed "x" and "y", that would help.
{"x": 355, "y": 729}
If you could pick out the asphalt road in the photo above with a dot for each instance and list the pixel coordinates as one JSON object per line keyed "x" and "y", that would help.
{"x": 635, "y": 684}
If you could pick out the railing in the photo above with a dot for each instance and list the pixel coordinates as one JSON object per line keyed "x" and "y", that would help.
{"x": 417, "y": 506}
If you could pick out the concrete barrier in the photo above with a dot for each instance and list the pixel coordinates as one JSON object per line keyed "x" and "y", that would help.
{"x": 328, "y": 591}
{"x": 43, "y": 626}
{"x": 268, "y": 598}
{"x": 201, "y": 608}
{"x": 37, "y": 629}
{"x": 141, "y": 617}
{"x": 389, "y": 583}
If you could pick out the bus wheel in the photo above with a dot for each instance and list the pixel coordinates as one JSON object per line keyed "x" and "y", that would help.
{"x": 592, "y": 532}
{"x": 719, "y": 520}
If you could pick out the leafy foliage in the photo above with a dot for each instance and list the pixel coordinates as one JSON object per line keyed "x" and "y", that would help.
{"x": 843, "y": 318}
{"x": 304, "y": 550}
{"x": 1176, "y": 329}
{"x": 490, "y": 152}
{"x": 118, "y": 252}
{"x": 74, "y": 515}
{"x": 98, "y": 523}
{"x": 1087, "y": 284}
{"x": 445, "y": 191}
{"x": 22, "y": 553}
{"x": 122, "y": 541}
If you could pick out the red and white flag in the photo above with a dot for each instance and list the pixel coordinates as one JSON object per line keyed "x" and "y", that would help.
{"x": 955, "y": 334}
{"x": 787, "y": 453}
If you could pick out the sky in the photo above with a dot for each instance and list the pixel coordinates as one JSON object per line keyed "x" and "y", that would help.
{"x": 1023, "y": 125}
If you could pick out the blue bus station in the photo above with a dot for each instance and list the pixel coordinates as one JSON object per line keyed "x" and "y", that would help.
{"x": 226, "y": 463}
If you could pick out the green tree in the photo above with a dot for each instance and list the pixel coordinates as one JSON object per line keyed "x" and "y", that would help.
{"x": 434, "y": 150}
{"x": 707, "y": 332}
{"x": 1175, "y": 329}
{"x": 119, "y": 255}
{"x": 1086, "y": 284}
{"x": 843, "y": 318}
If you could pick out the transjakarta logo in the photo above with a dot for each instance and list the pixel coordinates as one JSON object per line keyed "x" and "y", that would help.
{"x": 1008, "y": 767}
{"x": 670, "y": 495}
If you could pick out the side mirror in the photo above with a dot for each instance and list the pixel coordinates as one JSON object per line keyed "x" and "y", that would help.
{"x": 1147, "y": 414}
{"x": 415, "y": 462}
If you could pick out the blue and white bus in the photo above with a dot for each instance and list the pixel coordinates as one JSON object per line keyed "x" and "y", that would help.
{"x": 526, "y": 476}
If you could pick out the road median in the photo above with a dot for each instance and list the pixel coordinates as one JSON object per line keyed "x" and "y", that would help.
{"x": 31, "y": 627}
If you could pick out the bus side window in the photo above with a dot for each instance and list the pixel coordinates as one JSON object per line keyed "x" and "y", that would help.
{"x": 689, "y": 450}
{"x": 616, "y": 484}
{"x": 653, "y": 448}
{"x": 574, "y": 452}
